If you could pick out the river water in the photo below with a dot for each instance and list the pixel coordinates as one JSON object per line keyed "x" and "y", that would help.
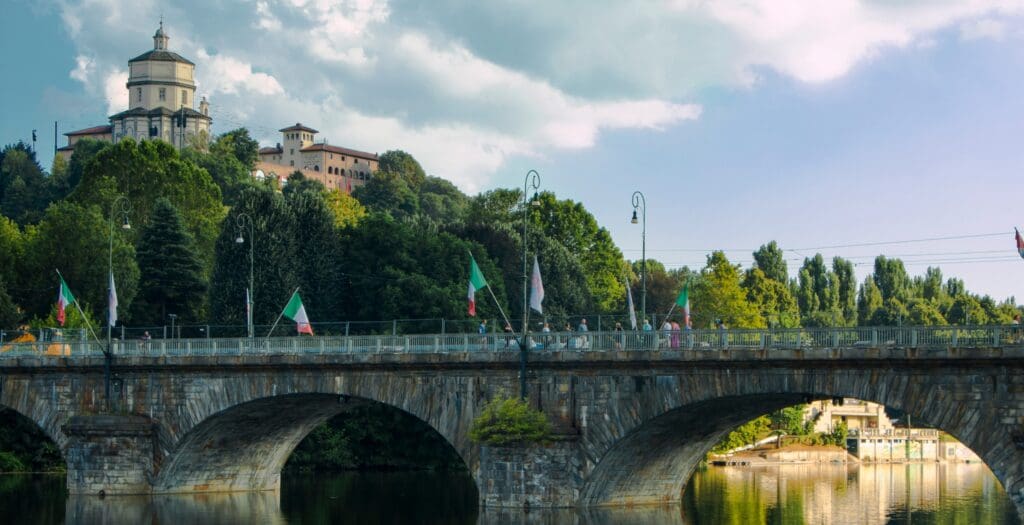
{"x": 795, "y": 494}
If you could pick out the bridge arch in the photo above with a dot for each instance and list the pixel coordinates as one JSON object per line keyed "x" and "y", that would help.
{"x": 27, "y": 401}
{"x": 654, "y": 449}
{"x": 235, "y": 443}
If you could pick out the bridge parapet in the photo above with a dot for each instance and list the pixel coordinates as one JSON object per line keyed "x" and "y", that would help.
{"x": 848, "y": 341}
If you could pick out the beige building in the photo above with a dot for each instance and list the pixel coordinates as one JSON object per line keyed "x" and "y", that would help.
{"x": 161, "y": 98}
{"x": 335, "y": 167}
{"x": 855, "y": 413}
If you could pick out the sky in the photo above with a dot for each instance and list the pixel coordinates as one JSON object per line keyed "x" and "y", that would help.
{"x": 835, "y": 127}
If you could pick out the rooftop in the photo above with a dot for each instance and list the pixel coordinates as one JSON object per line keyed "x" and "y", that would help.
{"x": 343, "y": 151}
{"x": 95, "y": 130}
{"x": 161, "y": 55}
{"x": 299, "y": 127}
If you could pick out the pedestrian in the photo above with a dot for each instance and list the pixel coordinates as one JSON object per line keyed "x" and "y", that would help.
{"x": 583, "y": 329}
{"x": 675, "y": 334}
{"x": 546, "y": 329}
{"x": 508, "y": 334}
{"x": 666, "y": 331}
{"x": 482, "y": 330}
{"x": 620, "y": 336}
{"x": 723, "y": 335}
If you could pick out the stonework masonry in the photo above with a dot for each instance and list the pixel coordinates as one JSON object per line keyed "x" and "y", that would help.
{"x": 632, "y": 425}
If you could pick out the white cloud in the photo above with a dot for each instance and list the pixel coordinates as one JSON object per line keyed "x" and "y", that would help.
{"x": 983, "y": 28}
{"x": 224, "y": 74}
{"x": 115, "y": 92}
{"x": 465, "y": 86}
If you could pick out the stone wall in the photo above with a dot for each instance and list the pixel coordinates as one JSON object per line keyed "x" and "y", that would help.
{"x": 109, "y": 454}
{"x": 530, "y": 475}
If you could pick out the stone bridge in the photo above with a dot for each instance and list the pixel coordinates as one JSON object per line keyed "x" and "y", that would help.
{"x": 633, "y": 418}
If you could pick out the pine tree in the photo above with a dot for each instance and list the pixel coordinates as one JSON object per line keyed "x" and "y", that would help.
{"x": 171, "y": 280}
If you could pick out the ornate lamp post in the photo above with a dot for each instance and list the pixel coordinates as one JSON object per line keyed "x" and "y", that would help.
{"x": 639, "y": 202}
{"x": 241, "y": 219}
{"x": 532, "y": 181}
{"x": 123, "y": 206}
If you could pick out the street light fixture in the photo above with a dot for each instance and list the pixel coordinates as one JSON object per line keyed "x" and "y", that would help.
{"x": 123, "y": 206}
{"x": 532, "y": 182}
{"x": 240, "y": 220}
{"x": 640, "y": 202}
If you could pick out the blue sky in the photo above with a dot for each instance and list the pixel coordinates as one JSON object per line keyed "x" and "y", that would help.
{"x": 816, "y": 124}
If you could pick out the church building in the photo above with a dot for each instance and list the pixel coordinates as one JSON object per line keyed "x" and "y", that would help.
{"x": 161, "y": 96}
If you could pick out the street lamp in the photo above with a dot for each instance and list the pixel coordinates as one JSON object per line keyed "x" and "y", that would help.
{"x": 532, "y": 182}
{"x": 173, "y": 317}
{"x": 640, "y": 202}
{"x": 241, "y": 219}
{"x": 123, "y": 206}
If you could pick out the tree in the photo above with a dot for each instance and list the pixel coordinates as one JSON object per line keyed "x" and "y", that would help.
{"x": 923, "y": 313}
{"x": 413, "y": 275}
{"x": 346, "y": 209}
{"x": 171, "y": 274}
{"x": 75, "y": 240}
{"x": 869, "y": 301}
{"x": 10, "y": 316}
{"x": 275, "y": 265}
{"x": 388, "y": 192}
{"x": 24, "y": 192}
{"x": 12, "y": 245}
{"x": 230, "y": 175}
{"x": 317, "y": 251}
{"x": 510, "y": 420}
{"x": 85, "y": 150}
{"x": 818, "y": 293}
{"x": 298, "y": 183}
{"x": 790, "y": 420}
{"x": 772, "y": 299}
{"x": 769, "y": 259}
{"x": 846, "y": 284}
{"x": 240, "y": 145}
{"x": 717, "y": 294}
{"x": 146, "y": 171}
{"x": 891, "y": 278}
{"x": 442, "y": 202}
{"x": 966, "y": 310}
{"x": 404, "y": 165}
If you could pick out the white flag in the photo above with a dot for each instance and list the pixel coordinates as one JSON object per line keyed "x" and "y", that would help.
{"x": 632, "y": 310}
{"x": 536, "y": 288}
{"x": 112, "y": 300}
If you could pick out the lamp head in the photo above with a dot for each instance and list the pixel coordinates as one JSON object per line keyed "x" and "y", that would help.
{"x": 633, "y": 220}
{"x": 126, "y": 225}
{"x": 536, "y": 201}
{"x": 239, "y": 239}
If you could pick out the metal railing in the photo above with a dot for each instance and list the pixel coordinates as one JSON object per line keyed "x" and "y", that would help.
{"x": 699, "y": 340}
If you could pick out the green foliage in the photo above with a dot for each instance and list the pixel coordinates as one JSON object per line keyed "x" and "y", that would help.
{"x": 230, "y": 175}
{"x": 317, "y": 247}
{"x": 240, "y": 145}
{"x": 966, "y": 310}
{"x": 24, "y": 188}
{"x": 510, "y": 420}
{"x": 772, "y": 299}
{"x": 869, "y": 301}
{"x": 891, "y": 278}
{"x": 789, "y": 420}
{"x": 275, "y": 259}
{"x": 24, "y": 447}
{"x": 717, "y": 294}
{"x": 388, "y": 192}
{"x": 746, "y": 434}
{"x": 146, "y": 171}
{"x": 404, "y": 165}
{"x": 171, "y": 274}
{"x": 346, "y": 209}
{"x": 75, "y": 240}
{"x": 414, "y": 273}
{"x": 12, "y": 247}
{"x": 10, "y": 314}
{"x": 769, "y": 259}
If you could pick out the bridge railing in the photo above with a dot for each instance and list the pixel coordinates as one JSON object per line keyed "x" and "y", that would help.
{"x": 701, "y": 340}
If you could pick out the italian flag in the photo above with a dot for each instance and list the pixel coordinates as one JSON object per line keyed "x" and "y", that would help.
{"x": 64, "y": 298}
{"x": 683, "y": 302}
{"x": 476, "y": 282}
{"x": 1020, "y": 242}
{"x": 296, "y": 311}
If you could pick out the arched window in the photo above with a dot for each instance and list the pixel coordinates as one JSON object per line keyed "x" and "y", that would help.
{"x": 316, "y": 167}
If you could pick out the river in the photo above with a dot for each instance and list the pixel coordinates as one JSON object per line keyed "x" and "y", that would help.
{"x": 795, "y": 494}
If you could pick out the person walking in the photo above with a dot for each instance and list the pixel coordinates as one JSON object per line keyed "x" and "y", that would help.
{"x": 620, "y": 336}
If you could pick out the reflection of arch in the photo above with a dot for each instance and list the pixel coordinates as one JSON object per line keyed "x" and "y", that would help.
{"x": 657, "y": 440}
{"x": 245, "y": 446}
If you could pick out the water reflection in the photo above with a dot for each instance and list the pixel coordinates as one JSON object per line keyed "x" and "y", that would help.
{"x": 794, "y": 494}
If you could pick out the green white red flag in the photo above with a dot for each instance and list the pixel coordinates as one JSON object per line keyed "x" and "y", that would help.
{"x": 683, "y": 302}
{"x": 64, "y": 298}
{"x": 296, "y": 311}
{"x": 476, "y": 282}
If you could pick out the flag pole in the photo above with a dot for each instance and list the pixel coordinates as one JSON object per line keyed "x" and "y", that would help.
{"x": 280, "y": 315}
{"x": 491, "y": 291}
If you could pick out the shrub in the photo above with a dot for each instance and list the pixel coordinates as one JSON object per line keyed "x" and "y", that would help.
{"x": 511, "y": 420}
{"x": 10, "y": 463}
